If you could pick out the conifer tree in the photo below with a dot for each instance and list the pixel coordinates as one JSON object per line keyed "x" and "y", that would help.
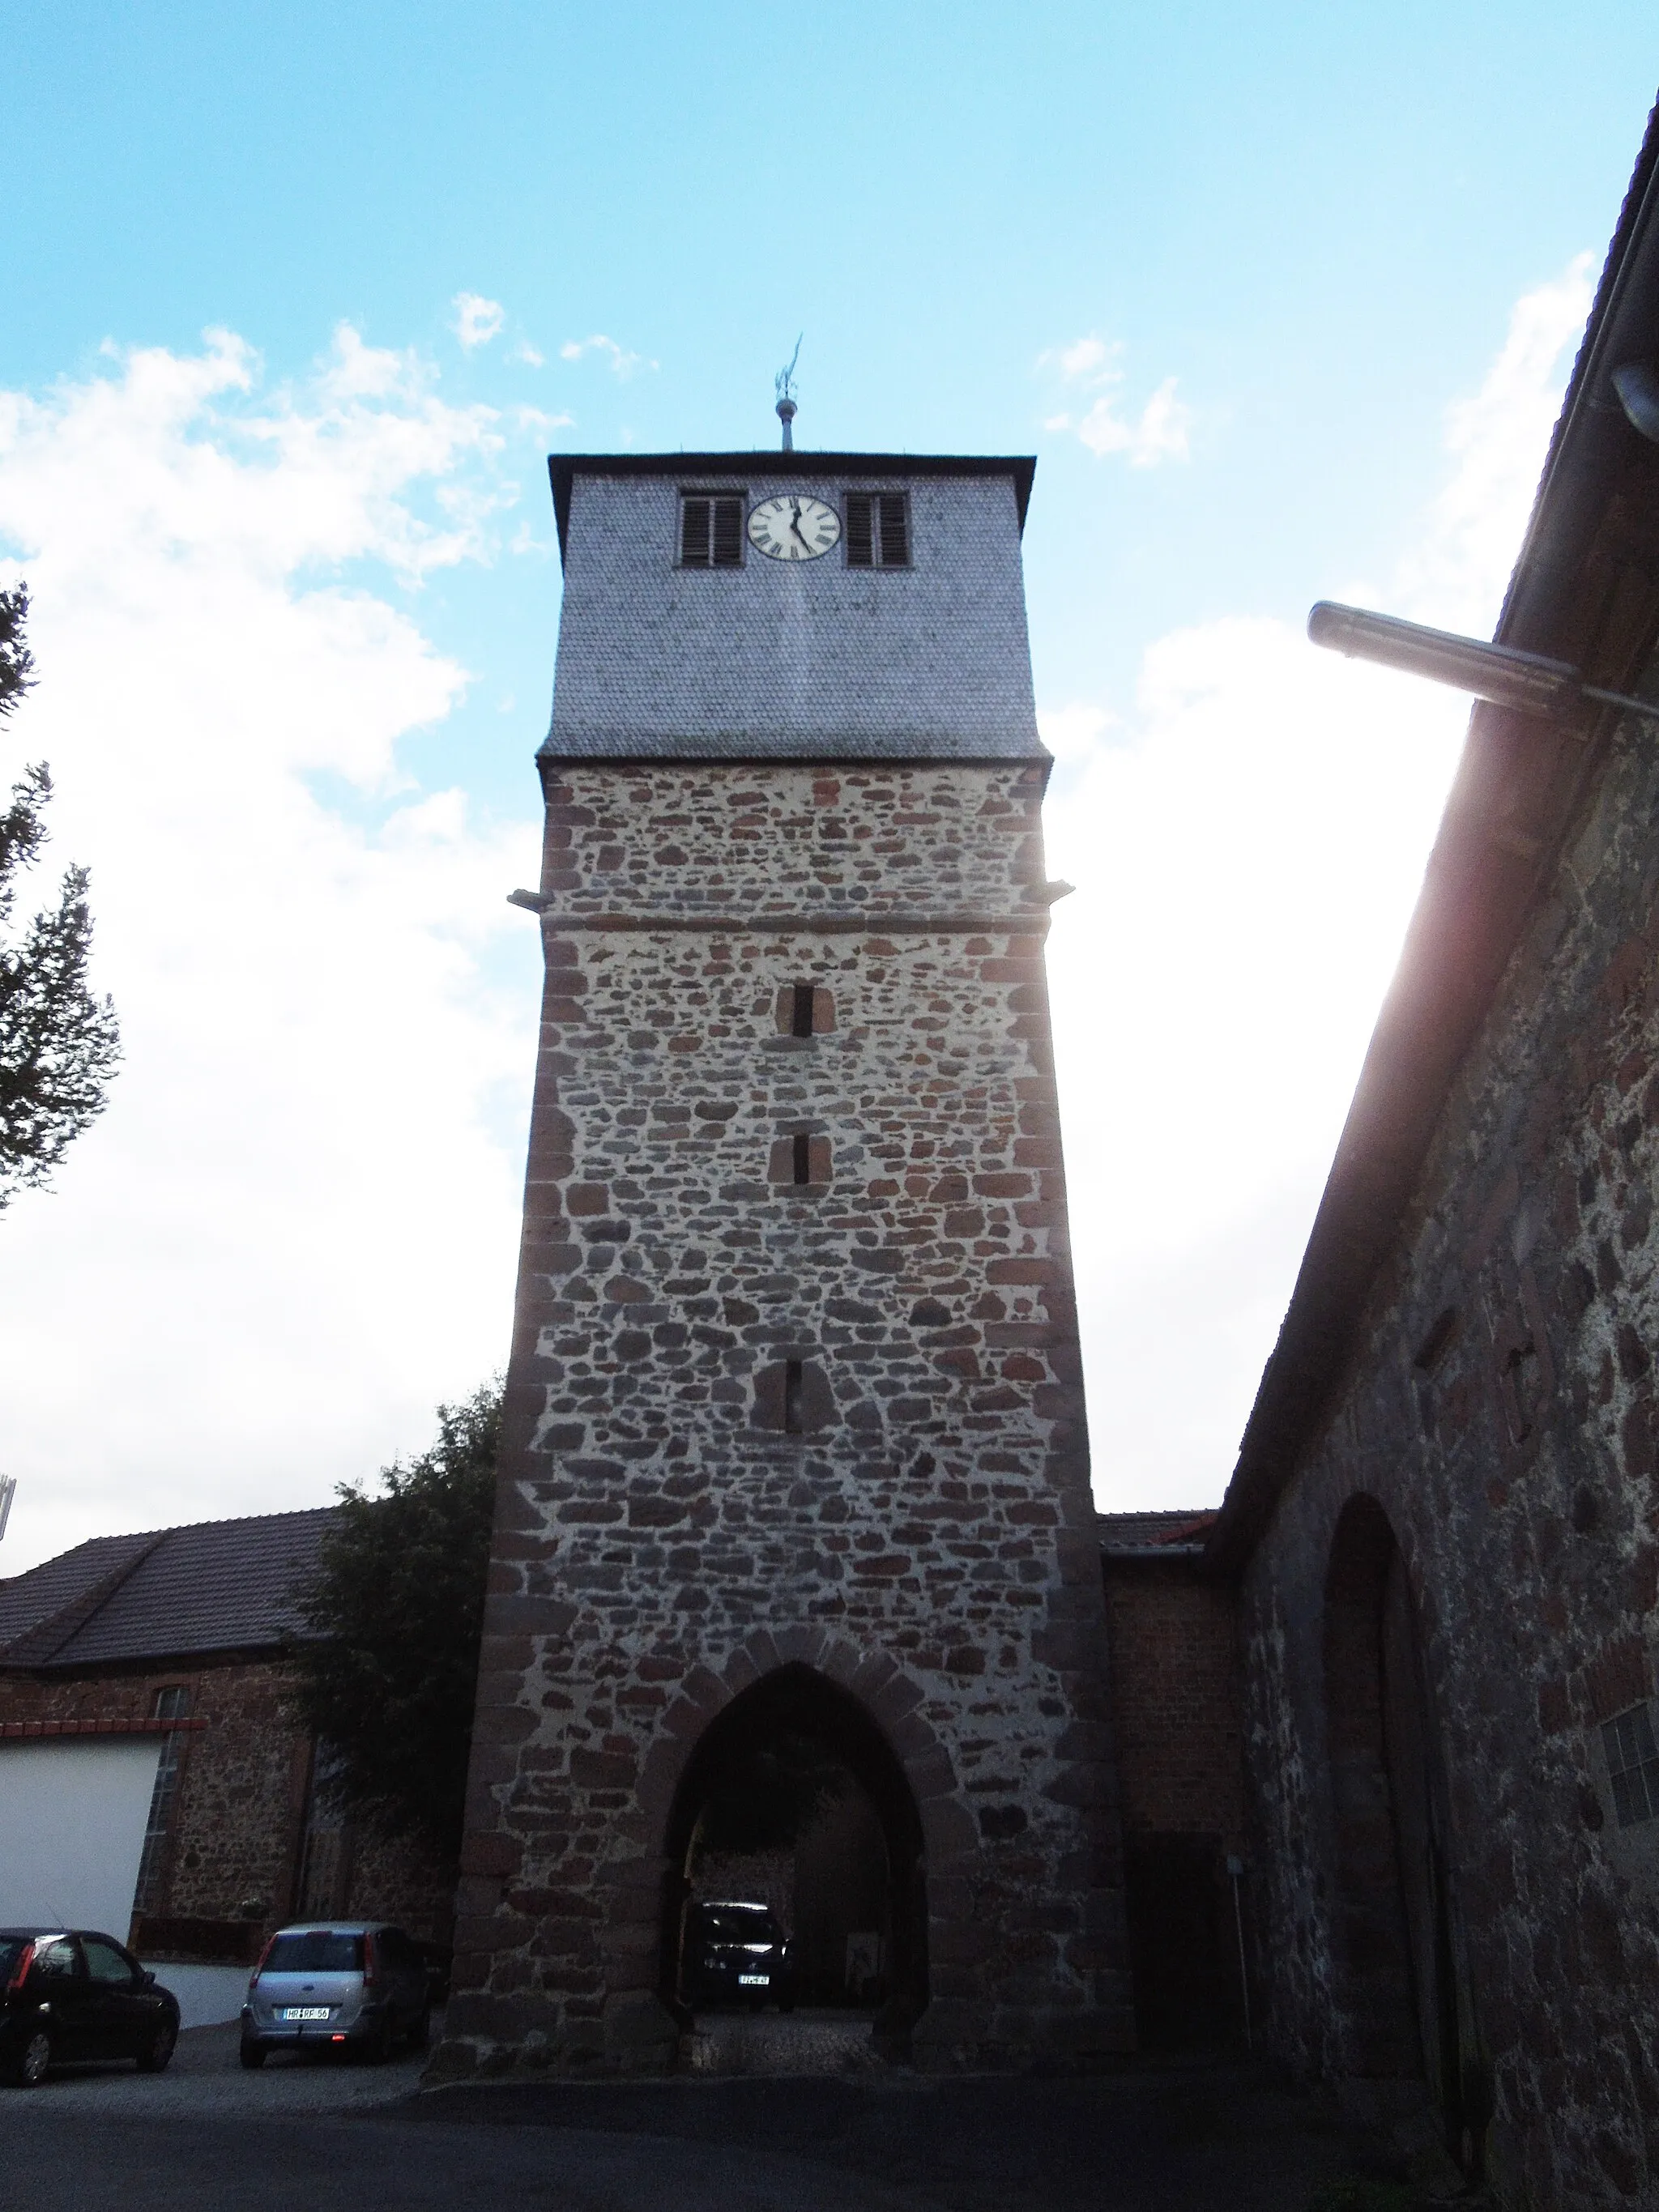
{"x": 58, "y": 1044}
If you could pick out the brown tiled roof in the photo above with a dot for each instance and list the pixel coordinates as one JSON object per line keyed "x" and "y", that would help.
{"x": 173, "y": 1594}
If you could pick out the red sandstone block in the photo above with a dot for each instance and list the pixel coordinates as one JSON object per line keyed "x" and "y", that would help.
{"x": 1023, "y": 1270}
{"x": 495, "y": 1854}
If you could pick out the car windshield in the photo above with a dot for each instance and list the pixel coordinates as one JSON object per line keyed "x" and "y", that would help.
{"x": 315, "y": 1951}
{"x": 738, "y": 1924}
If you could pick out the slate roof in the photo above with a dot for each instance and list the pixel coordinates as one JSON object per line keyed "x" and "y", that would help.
{"x": 1155, "y": 1535}
{"x": 778, "y": 660}
{"x": 213, "y": 1586}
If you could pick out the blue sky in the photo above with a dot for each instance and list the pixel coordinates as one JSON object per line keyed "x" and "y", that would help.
{"x": 1282, "y": 299}
{"x": 1314, "y": 218}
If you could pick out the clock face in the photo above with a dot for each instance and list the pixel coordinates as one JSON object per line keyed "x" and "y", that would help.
{"x": 791, "y": 528}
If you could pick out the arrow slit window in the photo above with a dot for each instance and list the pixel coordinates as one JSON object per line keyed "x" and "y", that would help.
{"x": 711, "y": 530}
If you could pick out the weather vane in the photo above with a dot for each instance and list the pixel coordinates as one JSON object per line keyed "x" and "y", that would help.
{"x": 784, "y": 385}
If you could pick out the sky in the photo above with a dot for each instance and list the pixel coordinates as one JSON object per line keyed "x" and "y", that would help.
{"x": 297, "y": 300}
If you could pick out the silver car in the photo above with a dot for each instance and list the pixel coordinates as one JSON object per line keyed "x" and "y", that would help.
{"x": 353, "y": 1986}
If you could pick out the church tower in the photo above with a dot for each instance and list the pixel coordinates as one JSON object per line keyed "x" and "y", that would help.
{"x": 794, "y": 1544}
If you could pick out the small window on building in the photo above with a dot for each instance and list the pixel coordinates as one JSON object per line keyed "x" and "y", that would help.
{"x": 801, "y": 1161}
{"x": 171, "y": 1703}
{"x": 1632, "y": 1766}
{"x": 878, "y": 530}
{"x": 805, "y": 1010}
{"x": 711, "y": 530}
{"x": 792, "y": 1397}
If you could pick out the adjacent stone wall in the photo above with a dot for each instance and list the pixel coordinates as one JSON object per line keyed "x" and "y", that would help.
{"x": 926, "y": 1539}
{"x": 1501, "y": 1410}
{"x": 234, "y": 1851}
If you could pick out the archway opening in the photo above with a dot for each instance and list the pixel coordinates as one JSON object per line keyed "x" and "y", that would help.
{"x": 1408, "y": 2006}
{"x": 794, "y": 1802}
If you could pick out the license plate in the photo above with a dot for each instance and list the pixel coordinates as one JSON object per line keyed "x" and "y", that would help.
{"x": 306, "y": 2012}
{"x": 754, "y": 1981}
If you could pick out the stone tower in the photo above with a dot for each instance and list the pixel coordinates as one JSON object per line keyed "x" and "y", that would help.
{"x": 795, "y": 1437}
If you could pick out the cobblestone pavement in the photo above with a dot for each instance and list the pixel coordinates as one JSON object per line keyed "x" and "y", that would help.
{"x": 309, "y": 2137}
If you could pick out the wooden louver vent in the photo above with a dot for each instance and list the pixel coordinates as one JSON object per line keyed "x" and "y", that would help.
{"x": 711, "y": 530}
{"x": 878, "y": 530}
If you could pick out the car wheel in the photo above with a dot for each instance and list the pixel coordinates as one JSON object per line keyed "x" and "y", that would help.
{"x": 253, "y": 2054}
{"x": 153, "y": 2058}
{"x": 32, "y": 2061}
{"x": 421, "y": 2034}
{"x": 376, "y": 2046}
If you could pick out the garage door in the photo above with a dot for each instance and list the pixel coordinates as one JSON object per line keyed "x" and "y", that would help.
{"x": 72, "y": 1820}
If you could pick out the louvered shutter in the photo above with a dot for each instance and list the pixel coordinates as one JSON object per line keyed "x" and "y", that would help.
{"x": 861, "y": 529}
{"x": 895, "y": 531}
{"x": 694, "y": 533}
{"x": 728, "y": 534}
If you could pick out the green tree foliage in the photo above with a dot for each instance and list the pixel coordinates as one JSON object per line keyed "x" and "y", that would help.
{"x": 388, "y": 1674}
{"x": 58, "y": 1044}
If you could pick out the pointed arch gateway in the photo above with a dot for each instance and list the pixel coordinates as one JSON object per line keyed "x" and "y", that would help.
{"x": 796, "y": 1732}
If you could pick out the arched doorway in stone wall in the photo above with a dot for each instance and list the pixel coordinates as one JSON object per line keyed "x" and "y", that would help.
{"x": 1406, "y": 2001}
{"x": 794, "y": 1798}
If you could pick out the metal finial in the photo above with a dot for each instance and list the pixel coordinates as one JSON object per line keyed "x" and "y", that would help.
{"x": 784, "y": 385}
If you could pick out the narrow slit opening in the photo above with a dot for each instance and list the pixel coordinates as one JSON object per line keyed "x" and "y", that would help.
{"x": 803, "y": 1159}
{"x": 793, "y": 1425}
{"x": 802, "y": 1023}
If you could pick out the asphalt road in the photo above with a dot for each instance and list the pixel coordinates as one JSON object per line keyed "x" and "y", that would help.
{"x": 322, "y": 2137}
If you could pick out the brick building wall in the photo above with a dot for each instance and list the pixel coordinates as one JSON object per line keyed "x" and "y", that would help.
{"x": 1177, "y": 1727}
{"x": 1173, "y": 1633}
{"x": 231, "y": 1867}
{"x": 924, "y": 1543}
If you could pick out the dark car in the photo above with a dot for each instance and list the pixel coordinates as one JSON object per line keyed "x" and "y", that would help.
{"x": 353, "y": 1986}
{"x": 737, "y": 1953}
{"x": 68, "y": 1994}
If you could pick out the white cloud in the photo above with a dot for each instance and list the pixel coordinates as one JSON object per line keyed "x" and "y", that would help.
{"x": 292, "y": 1229}
{"x": 618, "y": 358}
{"x": 1073, "y": 733}
{"x": 1456, "y": 578}
{"x": 1159, "y": 433}
{"x": 525, "y": 352}
{"x": 1247, "y": 859}
{"x": 477, "y": 320}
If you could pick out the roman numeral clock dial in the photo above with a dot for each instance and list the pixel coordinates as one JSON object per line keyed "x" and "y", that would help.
{"x": 791, "y": 528}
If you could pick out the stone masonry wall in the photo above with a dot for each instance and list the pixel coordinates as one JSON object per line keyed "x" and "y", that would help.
{"x": 236, "y": 1831}
{"x": 1502, "y": 1408}
{"x": 928, "y": 1540}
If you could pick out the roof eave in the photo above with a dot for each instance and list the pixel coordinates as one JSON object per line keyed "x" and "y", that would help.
{"x": 563, "y": 469}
